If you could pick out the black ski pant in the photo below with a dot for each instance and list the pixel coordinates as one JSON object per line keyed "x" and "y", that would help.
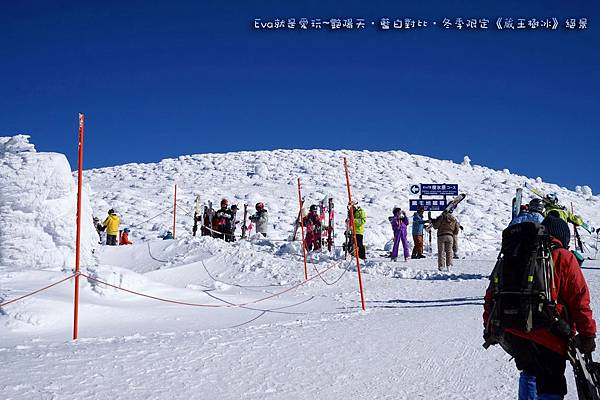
{"x": 111, "y": 240}
{"x": 547, "y": 366}
{"x": 362, "y": 254}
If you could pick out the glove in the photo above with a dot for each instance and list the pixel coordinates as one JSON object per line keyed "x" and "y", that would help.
{"x": 587, "y": 344}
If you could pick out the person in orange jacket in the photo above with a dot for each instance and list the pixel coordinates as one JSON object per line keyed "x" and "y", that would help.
{"x": 125, "y": 237}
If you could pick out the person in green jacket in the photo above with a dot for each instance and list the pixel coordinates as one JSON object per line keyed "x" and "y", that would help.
{"x": 360, "y": 218}
{"x": 551, "y": 205}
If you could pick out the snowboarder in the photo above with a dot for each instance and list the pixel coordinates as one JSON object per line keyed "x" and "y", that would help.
{"x": 111, "y": 225}
{"x": 360, "y": 219}
{"x": 417, "y": 232}
{"x": 312, "y": 224}
{"x": 260, "y": 219}
{"x": 222, "y": 221}
{"x": 124, "y": 239}
{"x": 533, "y": 212}
{"x": 540, "y": 352}
{"x": 447, "y": 227}
{"x": 399, "y": 223}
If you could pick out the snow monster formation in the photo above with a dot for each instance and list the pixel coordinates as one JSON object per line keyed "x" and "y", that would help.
{"x": 38, "y": 210}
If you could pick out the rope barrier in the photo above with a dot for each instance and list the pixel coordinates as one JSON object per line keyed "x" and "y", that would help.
{"x": 154, "y": 258}
{"x": 150, "y": 219}
{"x": 241, "y": 305}
{"x": 323, "y": 279}
{"x": 37, "y": 291}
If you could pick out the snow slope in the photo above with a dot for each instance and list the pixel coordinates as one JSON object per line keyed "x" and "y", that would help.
{"x": 250, "y": 326}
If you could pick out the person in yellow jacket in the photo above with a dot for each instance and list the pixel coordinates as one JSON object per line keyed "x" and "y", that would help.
{"x": 111, "y": 224}
{"x": 360, "y": 219}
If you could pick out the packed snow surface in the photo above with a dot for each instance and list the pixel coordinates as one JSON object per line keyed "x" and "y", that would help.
{"x": 244, "y": 323}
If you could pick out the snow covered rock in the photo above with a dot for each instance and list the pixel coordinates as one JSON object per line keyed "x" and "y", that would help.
{"x": 466, "y": 161}
{"x": 38, "y": 209}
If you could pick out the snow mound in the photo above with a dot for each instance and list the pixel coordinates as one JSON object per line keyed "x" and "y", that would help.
{"x": 38, "y": 209}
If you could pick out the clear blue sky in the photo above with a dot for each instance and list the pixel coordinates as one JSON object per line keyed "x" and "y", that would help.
{"x": 159, "y": 79}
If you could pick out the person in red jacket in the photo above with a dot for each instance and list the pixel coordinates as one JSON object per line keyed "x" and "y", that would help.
{"x": 312, "y": 224}
{"x": 124, "y": 239}
{"x": 540, "y": 355}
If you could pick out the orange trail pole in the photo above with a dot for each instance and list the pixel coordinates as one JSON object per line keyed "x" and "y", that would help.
{"x": 360, "y": 285}
{"x": 302, "y": 230}
{"x": 174, "y": 210}
{"x": 78, "y": 237}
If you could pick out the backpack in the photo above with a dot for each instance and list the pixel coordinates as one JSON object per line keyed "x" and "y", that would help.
{"x": 522, "y": 279}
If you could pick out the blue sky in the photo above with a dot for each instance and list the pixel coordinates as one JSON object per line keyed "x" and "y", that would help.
{"x": 159, "y": 79}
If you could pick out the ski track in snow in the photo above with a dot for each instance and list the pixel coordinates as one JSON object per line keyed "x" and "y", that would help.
{"x": 420, "y": 337}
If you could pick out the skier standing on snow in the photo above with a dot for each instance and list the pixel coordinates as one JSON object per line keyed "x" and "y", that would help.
{"x": 312, "y": 224}
{"x": 533, "y": 212}
{"x": 111, "y": 224}
{"x": 540, "y": 354}
{"x": 447, "y": 227}
{"x": 124, "y": 239}
{"x": 417, "y": 232}
{"x": 260, "y": 219}
{"x": 222, "y": 221}
{"x": 566, "y": 215}
{"x": 360, "y": 219}
{"x": 399, "y": 223}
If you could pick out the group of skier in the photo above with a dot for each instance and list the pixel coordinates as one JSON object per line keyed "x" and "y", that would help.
{"x": 222, "y": 223}
{"x": 110, "y": 226}
{"x": 447, "y": 227}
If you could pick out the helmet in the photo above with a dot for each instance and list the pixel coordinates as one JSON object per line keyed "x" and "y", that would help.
{"x": 420, "y": 208}
{"x": 552, "y": 198}
{"x": 234, "y": 207}
{"x": 260, "y": 205}
{"x": 96, "y": 219}
{"x": 111, "y": 211}
{"x": 396, "y": 210}
{"x": 524, "y": 207}
{"x": 536, "y": 205}
{"x": 224, "y": 202}
{"x": 313, "y": 207}
{"x": 126, "y": 230}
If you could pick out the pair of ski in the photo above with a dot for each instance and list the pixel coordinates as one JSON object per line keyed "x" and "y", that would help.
{"x": 587, "y": 373}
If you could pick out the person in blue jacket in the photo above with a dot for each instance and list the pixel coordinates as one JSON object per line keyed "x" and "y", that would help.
{"x": 417, "y": 232}
{"x": 534, "y": 213}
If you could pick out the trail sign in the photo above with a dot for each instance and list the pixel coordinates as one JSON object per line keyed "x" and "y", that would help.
{"x": 415, "y": 189}
{"x": 428, "y": 205}
{"x": 439, "y": 189}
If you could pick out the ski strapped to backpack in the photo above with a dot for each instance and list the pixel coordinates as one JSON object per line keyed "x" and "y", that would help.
{"x": 516, "y": 203}
{"x": 522, "y": 284}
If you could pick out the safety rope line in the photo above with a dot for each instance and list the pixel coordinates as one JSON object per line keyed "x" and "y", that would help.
{"x": 152, "y": 257}
{"x": 37, "y": 291}
{"x": 240, "y": 305}
{"x": 150, "y": 219}
{"x": 250, "y": 287}
{"x": 323, "y": 279}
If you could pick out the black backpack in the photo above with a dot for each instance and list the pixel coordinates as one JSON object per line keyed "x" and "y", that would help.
{"x": 521, "y": 281}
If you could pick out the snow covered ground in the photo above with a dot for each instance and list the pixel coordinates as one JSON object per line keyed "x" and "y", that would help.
{"x": 261, "y": 332}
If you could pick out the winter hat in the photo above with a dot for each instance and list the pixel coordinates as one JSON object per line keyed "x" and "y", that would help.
{"x": 558, "y": 228}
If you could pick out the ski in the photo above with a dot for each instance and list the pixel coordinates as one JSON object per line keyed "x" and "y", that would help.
{"x": 244, "y": 221}
{"x": 517, "y": 201}
{"x": 587, "y": 373}
{"x": 330, "y": 226}
{"x": 297, "y": 222}
{"x": 348, "y": 239}
{"x": 197, "y": 214}
{"x": 452, "y": 205}
{"x": 544, "y": 197}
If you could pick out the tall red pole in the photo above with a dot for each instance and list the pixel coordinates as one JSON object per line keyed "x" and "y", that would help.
{"x": 302, "y": 230}
{"x": 351, "y": 205}
{"x": 78, "y": 237}
{"x": 174, "y": 210}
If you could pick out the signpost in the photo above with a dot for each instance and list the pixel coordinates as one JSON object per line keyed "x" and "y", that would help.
{"x": 432, "y": 189}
